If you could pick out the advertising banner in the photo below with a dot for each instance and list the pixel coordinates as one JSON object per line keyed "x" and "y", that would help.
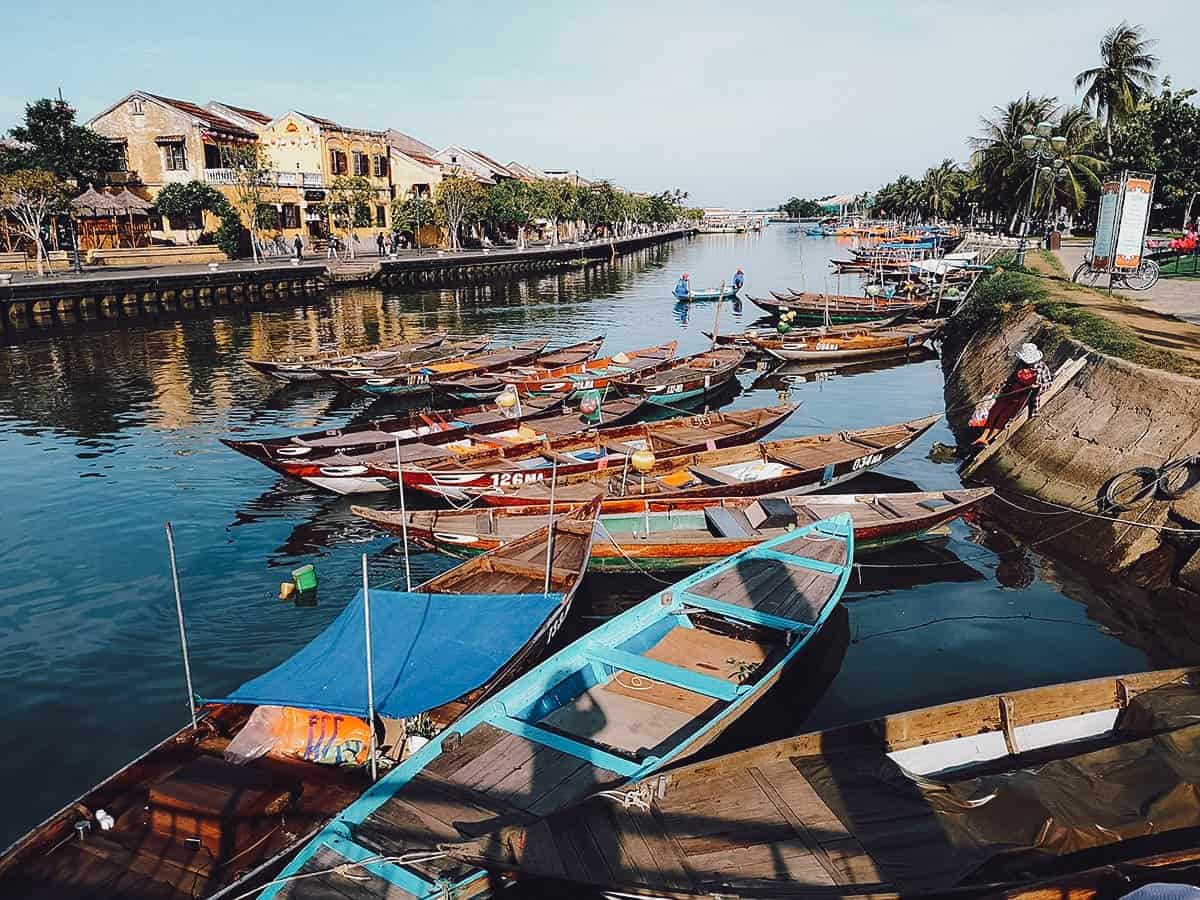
{"x": 1106, "y": 226}
{"x": 1133, "y": 221}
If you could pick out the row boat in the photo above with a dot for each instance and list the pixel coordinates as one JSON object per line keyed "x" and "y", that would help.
{"x": 650, "y": 686}
{"x": 567, "y": 380}
{"x": 452, "y": 472}
{"x": 681, "y": 535}
{"x": 306, "y": 366}
{"x": 838, "y": 310}
{"x": 188, "y": 822}
{"x": 708, "y": 294}
{"x": 305, "y": 455}
{"x": 820, "y": 348}
{"x": 1082, "y": 789}
{"x": 486, "y": 384}
{"x": 742, "y": 339}
{"x": 687, "y": 379}
{"x": 795, "y": 465}
{"x": 415, "y": 379}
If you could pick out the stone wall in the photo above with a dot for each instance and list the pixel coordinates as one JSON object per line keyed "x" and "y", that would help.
{"x": 1113, "y": 416}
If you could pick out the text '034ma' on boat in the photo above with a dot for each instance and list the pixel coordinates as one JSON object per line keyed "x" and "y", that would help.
{"x": 683, "y": 535}
{"x": 415, "y": 379}
{"x": 302, "y": 455}
{"x": 645, "y": 689}
{"x": 226, "y": 801}
{"x": 486, "y": 385}
{"x": 794, "y": 465}
{"x": 1079, "y": 790}
{"x": 878, "y": 342}
{"x": 567, "y": 381}
{"x": 688, "y": 379}
{"x": 459, "y": 473}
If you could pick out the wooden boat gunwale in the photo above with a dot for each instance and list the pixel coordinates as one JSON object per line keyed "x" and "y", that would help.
{"x": 466, "y": 385}
{"x": 416, "y": 378}
{"x": 547, "y": 382}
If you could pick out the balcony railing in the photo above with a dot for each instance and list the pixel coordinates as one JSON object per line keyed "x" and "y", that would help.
{"x": 273, "y": 179}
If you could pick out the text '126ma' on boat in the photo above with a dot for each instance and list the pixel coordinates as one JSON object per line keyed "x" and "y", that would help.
{"x": 682, "y": 535}
{"x": 1077, "y": 790}
{"x": 227, "y": 800}
{"x": 645, "y": 689}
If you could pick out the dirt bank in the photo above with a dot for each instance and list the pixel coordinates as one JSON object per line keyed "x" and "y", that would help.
{"x": 1115, "y": 415}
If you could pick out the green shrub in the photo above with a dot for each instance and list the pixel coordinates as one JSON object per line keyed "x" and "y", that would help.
{"x": 995, "y": 298}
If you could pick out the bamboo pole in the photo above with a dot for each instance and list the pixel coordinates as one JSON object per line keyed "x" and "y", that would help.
{"x": 370, "y": 668}
{"x": 550, "y": 534}
{"x": 187, "y": 667}
{"x": 403, "y": 519}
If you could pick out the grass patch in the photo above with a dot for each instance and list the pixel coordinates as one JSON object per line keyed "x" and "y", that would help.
{"x": 1107, "y": 336}
{"x": 995, "y": 298}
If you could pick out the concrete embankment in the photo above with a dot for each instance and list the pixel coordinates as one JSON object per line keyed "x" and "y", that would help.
{"x": 1113, "y": 416}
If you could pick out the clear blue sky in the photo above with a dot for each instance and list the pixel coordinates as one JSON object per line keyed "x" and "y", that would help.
{"x": 740, "y": 104}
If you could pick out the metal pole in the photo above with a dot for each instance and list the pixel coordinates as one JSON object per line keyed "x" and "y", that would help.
{"x": 717, "y": 316}
{"x": 370, "y": 669}
{"x": 550, "y": 534}
{"x": 187, "y": 667}
{"x": 403, "y": 520}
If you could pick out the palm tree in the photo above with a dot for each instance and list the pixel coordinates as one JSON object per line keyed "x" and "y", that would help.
{"x": 1124, "y": 78}
{"x": 941, "y": 188}
{"x": 1082, "y": 163}
{"x": 1001, "y": 168}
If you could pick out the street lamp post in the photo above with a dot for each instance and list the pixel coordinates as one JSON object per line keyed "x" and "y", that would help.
{"x": 1039, "y": 145}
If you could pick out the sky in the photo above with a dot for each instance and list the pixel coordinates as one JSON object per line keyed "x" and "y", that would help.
{"x": 739, "y": 104}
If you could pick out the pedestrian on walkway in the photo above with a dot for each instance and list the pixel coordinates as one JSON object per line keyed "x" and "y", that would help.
{"x": 299, "y": 245}
{"x": 379, "y": 242}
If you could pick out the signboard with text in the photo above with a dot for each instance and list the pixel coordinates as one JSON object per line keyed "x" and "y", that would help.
{"x": 1132, "y": 222}
{"x": 1106, "y": 226}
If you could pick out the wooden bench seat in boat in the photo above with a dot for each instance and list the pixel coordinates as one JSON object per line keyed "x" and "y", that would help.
{"x": 727, "y": 523}
{"x": 712, "y": 476}
{"x": 815, "y": 458}
{"x": 222, "y": 805}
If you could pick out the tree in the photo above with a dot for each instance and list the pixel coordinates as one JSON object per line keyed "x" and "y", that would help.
{"x": 348, "y": 206}
{"x": 31, "y": 197}
{"x": 53, "y": 142}
{"x": 410, "y": 214}
{"x": 1082, "y": 164}
{"x": 1163, "y": 136}
{"x": 1001, "y": 168}
{"x": 1124, "y": 78}
{"x": 511, "y": 203}
{"x": 458, "y": 200}
{"x": 554, "y": 200}
{"x": 601, "y": 204}
{"x": 253, "y": 195}
{"x": 802, "y": 209}
{"x": 186, "y": 201}
{"x": 940, "y": 189}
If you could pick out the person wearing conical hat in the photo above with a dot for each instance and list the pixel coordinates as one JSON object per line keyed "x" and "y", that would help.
{"x": 1026, "y": 386}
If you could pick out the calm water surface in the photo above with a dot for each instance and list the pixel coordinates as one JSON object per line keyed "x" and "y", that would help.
{"x": 106, "y": 434}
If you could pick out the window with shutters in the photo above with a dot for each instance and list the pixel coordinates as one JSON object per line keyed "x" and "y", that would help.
{"x": 380, "y": 216}
{"x": 174, "y": 156}
{"x": 361, "y": 164}
{"x": 289, "y": 216}
{"x": 381, "y": 167}
{"x": 337, "y": 162}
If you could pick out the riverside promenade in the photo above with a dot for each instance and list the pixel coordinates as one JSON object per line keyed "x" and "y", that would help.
{"x": 132, "y": 291}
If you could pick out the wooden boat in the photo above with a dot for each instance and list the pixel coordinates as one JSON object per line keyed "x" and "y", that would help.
{"x": 707, "y": 294}
{"x": 294, "y": 367}
{"x": 455, "y": 472}
{"x": 795, "y": 465}
{"x": 878, "y": 342}
{"x": 189, "y": 823}
{"x": 940, "y": 801}
{"x": 645, "y": 689}
{"x": 305, "y": 454}
{"x": 568, "y": 380}
{"x": 742, "y": 339}
{"x": 415, "y": 379}
{"x": 839, "y": 310}
{"x": 487, "y": 385}
{"x": 682, "y": 535}
{"x": 690, "y": 378}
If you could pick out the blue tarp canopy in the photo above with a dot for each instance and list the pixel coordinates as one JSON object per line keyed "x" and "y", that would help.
{"x": 427, "y": 649}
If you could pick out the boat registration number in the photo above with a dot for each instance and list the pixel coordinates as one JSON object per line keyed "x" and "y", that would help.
{"x": 701, "y": 421}
{"x": 863, "y": 461}
{"x": 417, "y": 379}
{"x": 504, "y": 479}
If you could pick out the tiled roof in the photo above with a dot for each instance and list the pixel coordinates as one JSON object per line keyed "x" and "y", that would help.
{"x": 422, "y": 158}
{"x": 491, "y": 162}
{"x": 207, "y": 116}
{"x": 328, "y": 123}
{"x": 252, "y": 114}
{"x": 408, "y": 144}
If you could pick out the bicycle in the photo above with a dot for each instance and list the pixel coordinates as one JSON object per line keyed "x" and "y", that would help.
{"x": 1142, "y": 279}
{"x": 1170, "y": 481}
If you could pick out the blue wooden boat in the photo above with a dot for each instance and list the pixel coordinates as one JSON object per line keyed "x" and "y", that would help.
{"x": 710, "y": 294}
{"x": 647, "y": 688}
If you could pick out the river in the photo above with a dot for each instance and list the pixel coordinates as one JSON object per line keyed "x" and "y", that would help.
{"x": 110, "y": 430}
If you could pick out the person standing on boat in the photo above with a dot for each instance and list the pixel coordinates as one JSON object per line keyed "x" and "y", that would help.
{"x": 683, "y": 287}
{"x": 739, "y": 278}
{"x": 1027, "y": 385}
